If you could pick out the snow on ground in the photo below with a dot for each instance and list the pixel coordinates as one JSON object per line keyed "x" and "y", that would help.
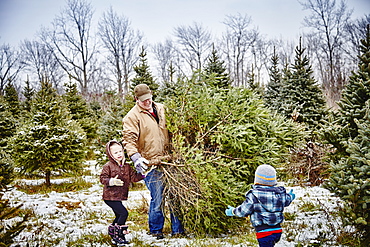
{"x": 90, "y": 215}
{"x": 313, "y": 219}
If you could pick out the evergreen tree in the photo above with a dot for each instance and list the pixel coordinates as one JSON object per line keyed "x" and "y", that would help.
{"x": 49, "y": 140}
{"x": 350, "y": 179}
{"x": 352, "y": 105}
{"x": 169, "y": 88}
{"x": 96, "y": 108}
{"x": 275, "y": 85}
{"x": 6, "y": 170}
{"x": 171, "y": 72}
{"x": 220, "y": 146}
{"x": 143, "y": 74}
{"x": 349, "y": 134}
{"x": 252, "y": 84}
{"x": 303, "y": 99}
{"x": 110, "y": 124}
{"x": 285, "y": 105}
{"x": 28, "y": 93}
{"x": 11, "y": 96}
{"x": 81, "y": 111}
{"x": 216, "y": 70}
{"x": 293, "y": 93}
{"x": 7, "y": 124}
{"x": 8, "y": 231}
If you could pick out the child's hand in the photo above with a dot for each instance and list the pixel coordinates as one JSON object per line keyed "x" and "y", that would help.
{"x": 115, "y": 181}
{"x": 292, "y": 194}
{"x": 229, "y": 211}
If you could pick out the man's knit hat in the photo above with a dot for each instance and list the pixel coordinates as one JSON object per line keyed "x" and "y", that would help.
{"x": 265, "y": 175}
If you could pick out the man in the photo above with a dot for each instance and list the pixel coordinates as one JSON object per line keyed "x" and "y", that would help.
{"x": 146, "y": 138}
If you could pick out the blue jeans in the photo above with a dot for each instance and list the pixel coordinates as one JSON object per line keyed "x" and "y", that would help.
{"x": 154, "y": 183}
{"x": 269, "y": 241}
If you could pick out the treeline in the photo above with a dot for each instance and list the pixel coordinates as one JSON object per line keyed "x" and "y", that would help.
{"x": 68, "y": 49}
{"x": 219, "y": 135}
{"x": 222, "y": 119}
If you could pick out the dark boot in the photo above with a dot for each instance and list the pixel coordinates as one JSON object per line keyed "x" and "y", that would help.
{"x": 111, "y": 230}
{"x": 119, "y": 238}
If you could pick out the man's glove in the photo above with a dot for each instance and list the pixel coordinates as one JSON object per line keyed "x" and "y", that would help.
{"x": 141, "y": 166}
{"x": 292, "y": 194}
{"x": 115, "y": 181}
{"x": 140, "y": 163}
{"x": 229, "y": 211}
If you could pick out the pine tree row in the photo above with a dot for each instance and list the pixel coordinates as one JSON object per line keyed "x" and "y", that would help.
{"x": 221, "y": 133}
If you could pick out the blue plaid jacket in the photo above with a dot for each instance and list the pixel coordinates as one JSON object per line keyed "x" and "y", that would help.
{"x": 265, "y": 205}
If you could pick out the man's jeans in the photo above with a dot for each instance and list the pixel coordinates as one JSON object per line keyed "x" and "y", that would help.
{"x": 154, "y": 183}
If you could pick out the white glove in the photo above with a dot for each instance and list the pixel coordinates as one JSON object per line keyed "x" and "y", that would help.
{"x": 140, "y": 163}
{"x": 115, "y": 181}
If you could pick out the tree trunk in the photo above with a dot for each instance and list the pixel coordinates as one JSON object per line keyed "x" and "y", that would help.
{"x": 47, "y": 178}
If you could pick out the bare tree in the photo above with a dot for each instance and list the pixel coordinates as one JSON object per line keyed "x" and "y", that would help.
{"x": 41, "y": 61}
{"x": 355, "y": 31}
{"x": 328, "y": 20}
{"x": 238, "y": 41}
{"x": 195, "y": 41}
{"x": 285, "y": 50}
{"x": 168, "y": 57}
{"x": 10, "y": 65}
{"x": 71, "y": 43}
{"x": 123, "y": 45}
{"x": 261, "y": 51}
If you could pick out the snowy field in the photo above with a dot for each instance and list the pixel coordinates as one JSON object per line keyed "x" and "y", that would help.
{"x": 311, "y": 220}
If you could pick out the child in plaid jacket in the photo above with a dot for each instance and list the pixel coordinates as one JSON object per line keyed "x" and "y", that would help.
{"x": 265, "y": 204}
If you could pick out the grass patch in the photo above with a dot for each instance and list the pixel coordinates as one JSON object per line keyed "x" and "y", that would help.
{"x": 139, "y": 215}
{"x": 90, "y": 240}
{"x": 139, "y": 243}
{"x": 290, "y": 216}
{"x": 54, "y": 174}
{"x": 73, "y": 185}
{"x": 349, "y": 239}
{"x": 309, "y": 206}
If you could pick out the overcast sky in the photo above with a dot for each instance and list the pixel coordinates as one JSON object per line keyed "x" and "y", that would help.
{"x": 22, "y": 19}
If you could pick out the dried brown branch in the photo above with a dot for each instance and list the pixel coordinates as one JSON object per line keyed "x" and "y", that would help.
{"x": 181, "y": 187}
{"x": 179, "y": 183}
{"x": 171, "y": 164}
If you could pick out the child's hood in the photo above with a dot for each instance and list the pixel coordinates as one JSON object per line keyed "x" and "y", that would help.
{"x": 271, "y": 198}
{"x": 107, "y": 150}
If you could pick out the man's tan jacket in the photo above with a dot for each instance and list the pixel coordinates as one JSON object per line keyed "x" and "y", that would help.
{"x": 143, "y": 134}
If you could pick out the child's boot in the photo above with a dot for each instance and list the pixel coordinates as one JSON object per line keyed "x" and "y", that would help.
{"x": 119, "y": 238}
{"x": 111, "y": 230}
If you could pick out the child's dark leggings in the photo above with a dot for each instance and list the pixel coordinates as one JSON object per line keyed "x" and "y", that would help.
{"x": 119, "y": 210}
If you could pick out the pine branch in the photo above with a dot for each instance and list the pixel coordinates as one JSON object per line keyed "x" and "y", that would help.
{"x": 221, "y": 155}
{"x": 210, "y": 130}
